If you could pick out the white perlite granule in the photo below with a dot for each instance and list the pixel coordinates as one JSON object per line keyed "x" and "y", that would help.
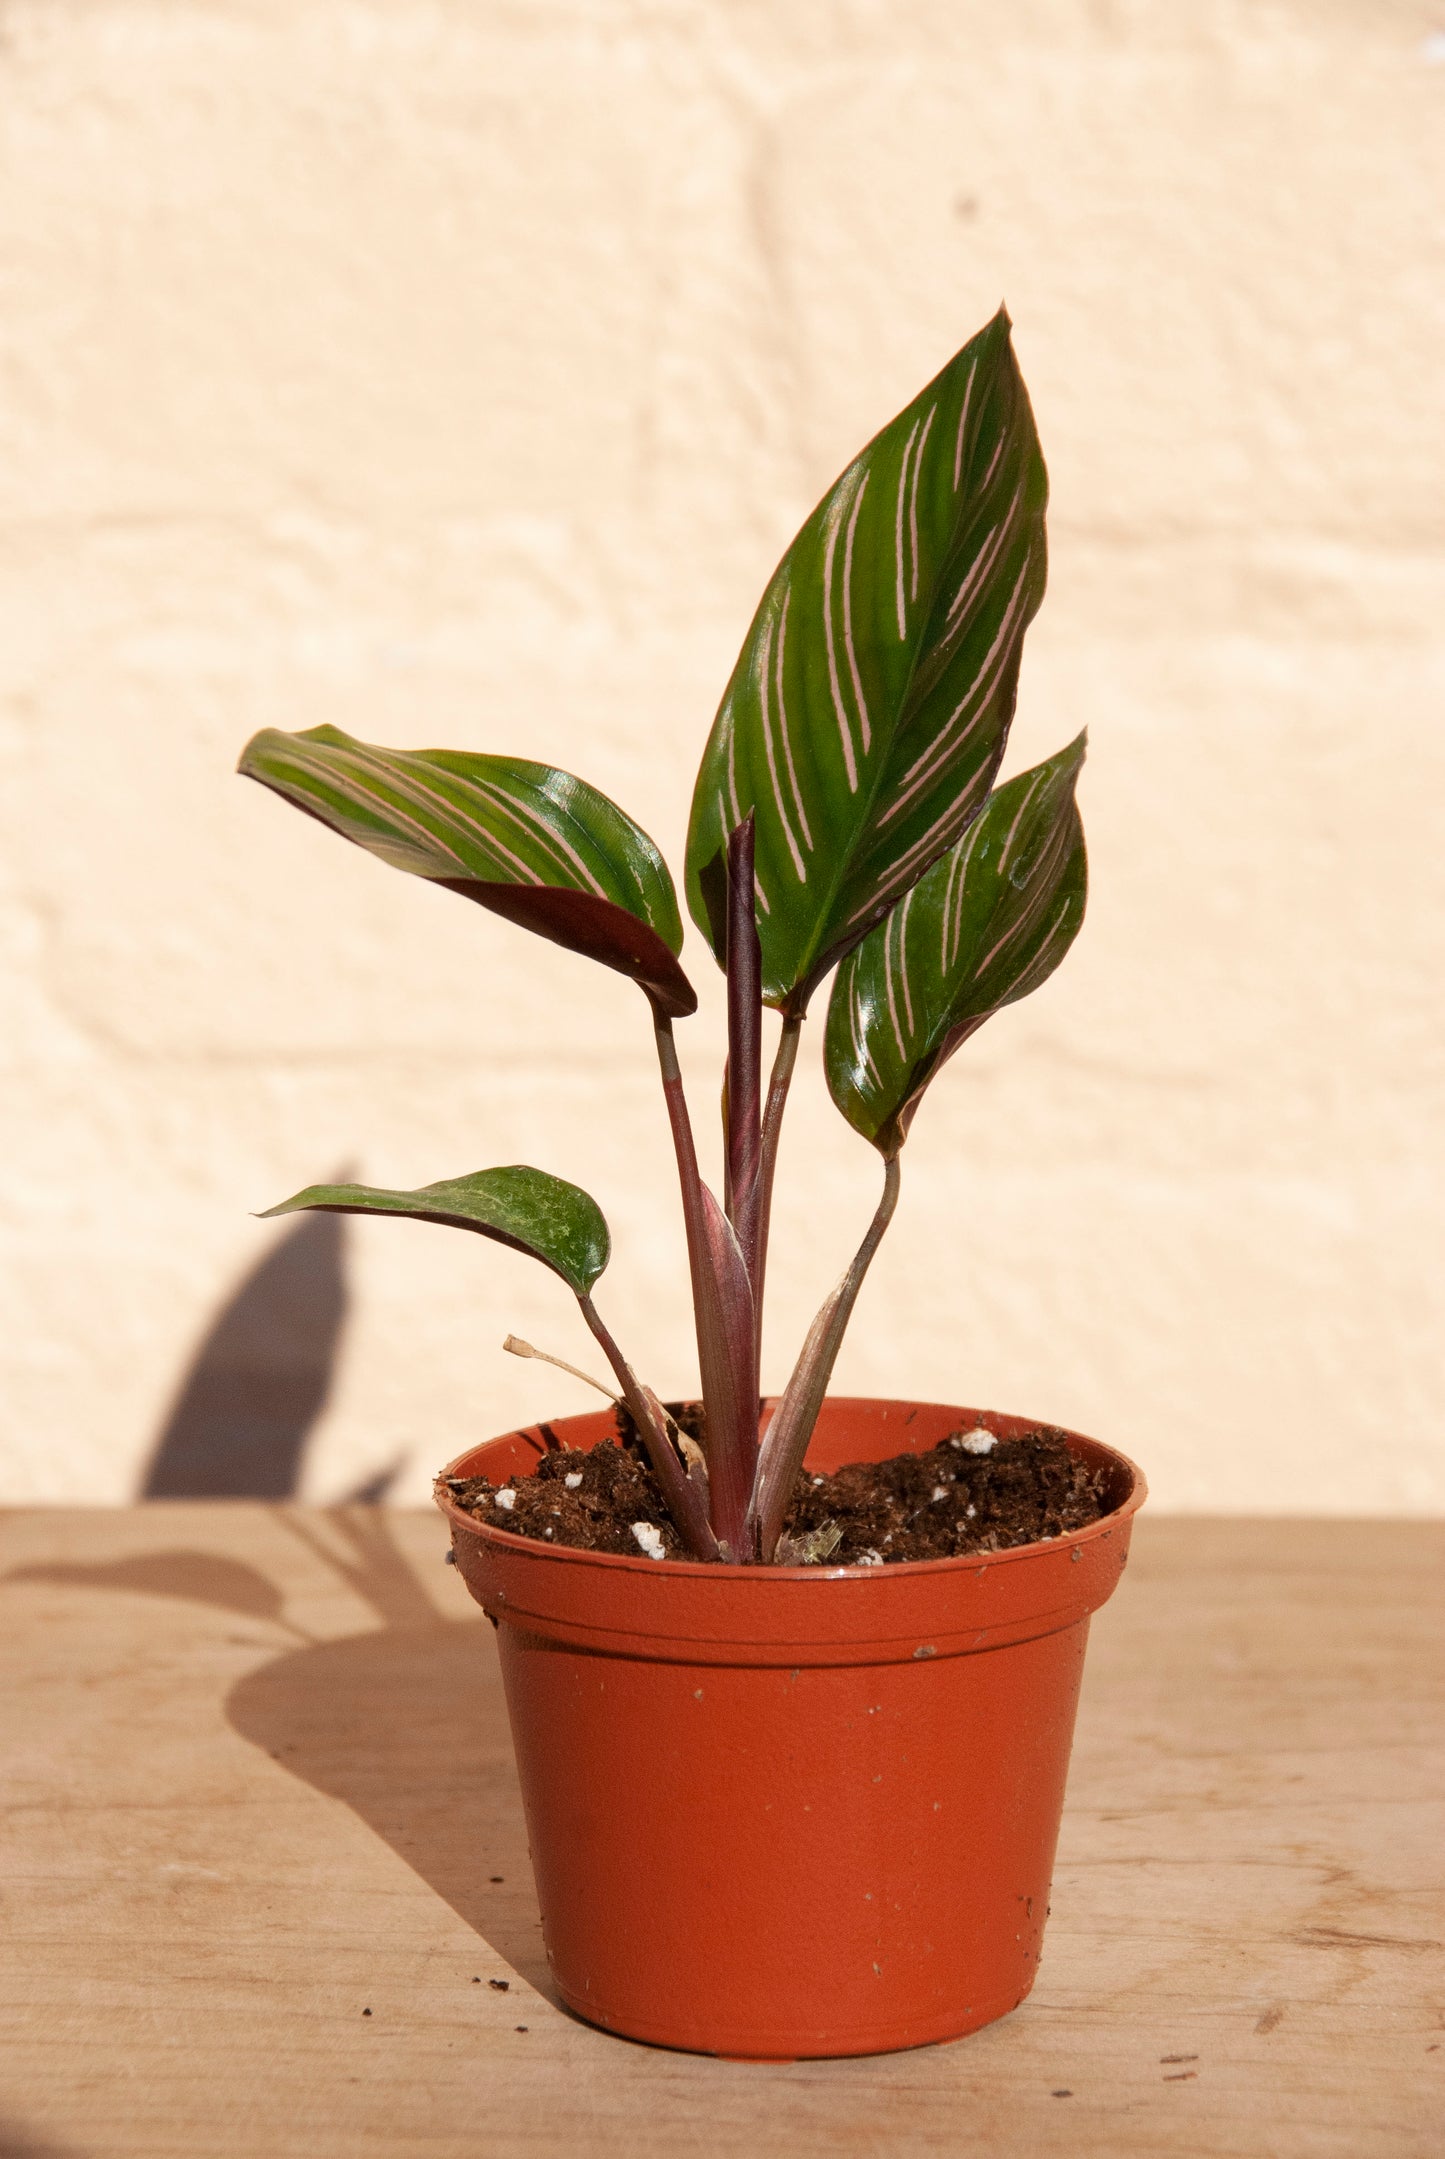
{"x": 870, "y": 1558}
{"x": 506, "y": 1498}
{"x": 977, "y": 1441}
{"x": 572, "y": 1479}
{"x": 649, "y": 1536}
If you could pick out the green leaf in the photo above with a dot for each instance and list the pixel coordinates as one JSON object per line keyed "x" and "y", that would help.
{"x": 988, "y": 923}
{"x": 556, "y": 1222}
{"x": 524, "y": 840}
{"x": 869, "y": 708}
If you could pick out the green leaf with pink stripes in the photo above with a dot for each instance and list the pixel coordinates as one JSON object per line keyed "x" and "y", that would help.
{"x": 985, "y": 925}
{"x": 524, "y": 840}
{"x": 868, "y": 712}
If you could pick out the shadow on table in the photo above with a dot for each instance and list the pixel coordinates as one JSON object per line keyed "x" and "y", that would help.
{"x": 19, "y": 2142}
{"x": 407, "y": 1726}
{"x": 405, "y": 1723}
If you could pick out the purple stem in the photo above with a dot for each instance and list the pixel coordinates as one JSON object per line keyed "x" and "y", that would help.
{"x": 684, "y": 1499}
{"x": 726, "y": 1330}
{"x": 786, "y": 1440}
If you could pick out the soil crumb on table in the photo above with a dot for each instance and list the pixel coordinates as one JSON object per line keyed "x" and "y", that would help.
{"x": 971, "y": 1493}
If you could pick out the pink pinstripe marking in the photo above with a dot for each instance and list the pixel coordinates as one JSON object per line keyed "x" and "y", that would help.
{"x": 957, "y": 893}
{"x": 1025, "y": 921}
{"x": 1038, "y": 903}
{"x": 930, "y": 843}
{"x": 1011, "y": 835}
{"x": 860, "y": 1039}
{"x": 988, "y": 553}
{"x": 431, "y": 841}
{"x": 764, "y": 663}
{"x": 898, "y": 532}
{"x": 845, "y": 736}
{"x": 783, "y": 722}
{"x": 913, "y": 502}
{"x": 544, "y": 833}
{"x": 864, "y": 728}
{"x": 942, "y": 748}
{"x": 983, "y": 562}
{"x": 999, "y": 447}
{"x": 904, "y": 910}
{"x": 1038, "y": 968}
{"x": 888, "y": 986}
{"x": 965, "y": 859}
{"x": 962, "y": 423}
{"x": 354, "y": 787}
{"x": 945, "y": 910}
{"x": 971, "y": 694}
{"x": 413, "y": 781}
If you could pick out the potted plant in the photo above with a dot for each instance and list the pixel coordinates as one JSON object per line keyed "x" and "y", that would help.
{"x": 787, "y": 1795}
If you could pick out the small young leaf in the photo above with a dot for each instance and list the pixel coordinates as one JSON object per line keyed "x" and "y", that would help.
{"x": 554, "y": 1221}
{"x": 526, "y": 841}
{"x": 988, "y": 923}
{"x": 868, "y": 711}
{"x": 787, "y": 1437}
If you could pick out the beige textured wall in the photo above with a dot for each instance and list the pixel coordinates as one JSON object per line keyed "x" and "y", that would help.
{"x": 455, "y": 373}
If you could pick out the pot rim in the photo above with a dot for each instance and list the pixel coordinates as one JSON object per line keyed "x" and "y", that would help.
{"x": 911, "y": 1569}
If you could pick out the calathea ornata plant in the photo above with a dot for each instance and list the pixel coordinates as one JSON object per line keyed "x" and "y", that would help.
{"x": 845, "y": 818}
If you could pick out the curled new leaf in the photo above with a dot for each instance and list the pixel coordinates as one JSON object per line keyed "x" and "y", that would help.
{"x": 869, "y": 708}
{"x": 527, "y": 841}
{"x": 987, "y": 924}
{"x": 554, "y": 1221}
{"x": 727, "y": 1345}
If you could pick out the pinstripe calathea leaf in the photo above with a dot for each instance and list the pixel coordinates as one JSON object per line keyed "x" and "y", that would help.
{"x": 987, "y": 923}
{"x": 869, "y": 708}
{"x": 524, "y": 840}
{"x": 554, "y": 1221}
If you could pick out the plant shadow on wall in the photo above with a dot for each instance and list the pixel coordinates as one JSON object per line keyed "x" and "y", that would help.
{"x": 260, "y": 1379}
{"x": 371, "y": 1719}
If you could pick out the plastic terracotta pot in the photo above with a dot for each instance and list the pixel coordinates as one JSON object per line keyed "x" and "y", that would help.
{"x": 788, "y": 1811}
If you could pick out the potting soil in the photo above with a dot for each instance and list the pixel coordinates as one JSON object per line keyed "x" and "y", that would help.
{"x": 971, "y": 1493}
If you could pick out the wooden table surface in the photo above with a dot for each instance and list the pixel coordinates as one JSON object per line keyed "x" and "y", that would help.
{"x": 257, "y": 1782}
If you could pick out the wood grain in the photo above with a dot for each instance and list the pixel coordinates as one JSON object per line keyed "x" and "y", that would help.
{"x": 257, "y": 1782}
